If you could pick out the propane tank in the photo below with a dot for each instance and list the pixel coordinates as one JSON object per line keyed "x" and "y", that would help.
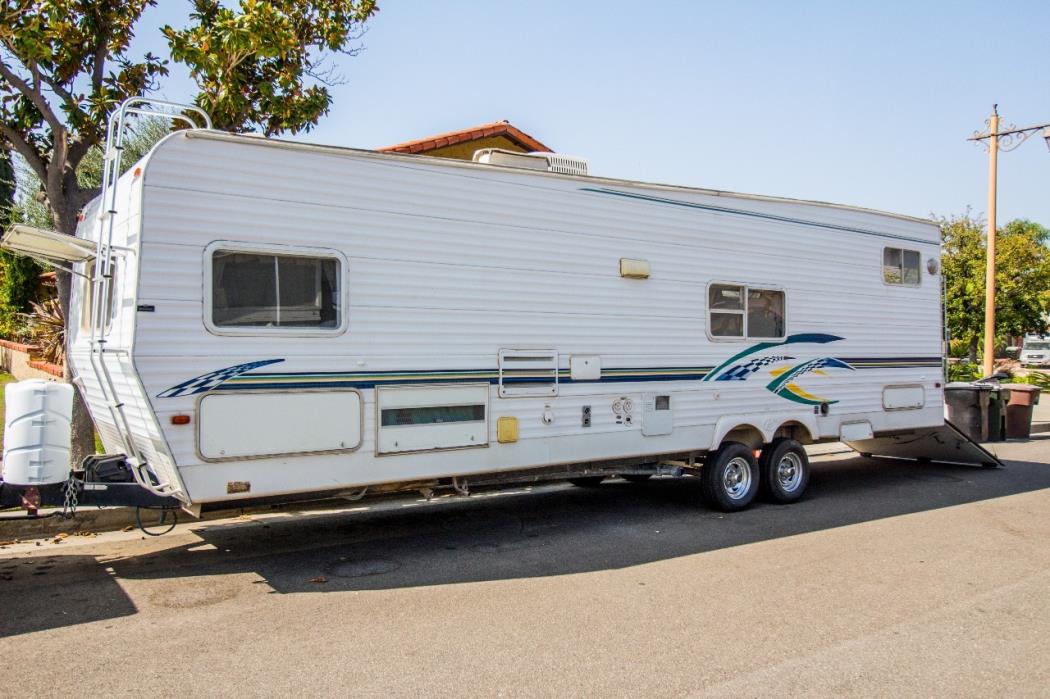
{"x": 37, "y": 421}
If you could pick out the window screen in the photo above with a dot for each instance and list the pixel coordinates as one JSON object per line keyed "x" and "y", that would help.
{"x": 739, "y": 311}
{"x": 901, "y": 266}
{"x": 277, "y": 291}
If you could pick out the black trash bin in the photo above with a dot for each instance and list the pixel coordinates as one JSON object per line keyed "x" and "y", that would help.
{"x": 969, "y": 407}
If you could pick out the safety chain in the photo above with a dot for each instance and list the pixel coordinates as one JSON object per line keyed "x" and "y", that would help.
{"x": 69, "y": 506}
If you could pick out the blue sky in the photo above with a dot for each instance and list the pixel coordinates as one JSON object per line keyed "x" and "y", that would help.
{"x": 855, "y": 103}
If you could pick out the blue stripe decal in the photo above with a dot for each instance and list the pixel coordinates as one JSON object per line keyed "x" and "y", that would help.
{"x": 753, "y": 214}
{"x": 241, "y": 378}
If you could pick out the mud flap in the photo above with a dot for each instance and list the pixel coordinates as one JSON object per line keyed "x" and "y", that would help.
{"x": 945, "y": 444}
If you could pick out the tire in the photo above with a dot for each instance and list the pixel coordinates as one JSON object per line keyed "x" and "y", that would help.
{"x": 587, "y": 481}
{"x": 636, "y": 477}
{"x": 785, "y": 470}
{"x": 729, "y": 479}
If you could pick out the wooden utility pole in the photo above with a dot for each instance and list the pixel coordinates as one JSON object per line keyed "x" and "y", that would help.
{"x": 1006, "y": 140}
{"x": 989, "y": 282}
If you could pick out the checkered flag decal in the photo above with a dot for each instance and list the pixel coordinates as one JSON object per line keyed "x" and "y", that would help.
{"x": 742, "y": 371}
{"x": 208, "y": 382}
{"x": 822, "y": 363}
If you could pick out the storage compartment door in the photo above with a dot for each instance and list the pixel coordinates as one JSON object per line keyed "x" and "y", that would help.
{"x": 257, "y": 424}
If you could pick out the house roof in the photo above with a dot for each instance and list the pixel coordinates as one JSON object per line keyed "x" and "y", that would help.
{"x": 496, "y": 128}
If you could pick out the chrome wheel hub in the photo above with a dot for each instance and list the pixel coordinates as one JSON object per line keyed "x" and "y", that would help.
{"x": 736, "y": 478}
{"x": 789, "y": 472}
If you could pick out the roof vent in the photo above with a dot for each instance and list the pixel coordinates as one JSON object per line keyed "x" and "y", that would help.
{"x": 547, "y": 162}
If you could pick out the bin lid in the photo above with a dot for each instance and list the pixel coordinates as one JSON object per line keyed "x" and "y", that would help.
{"x": 967, "y": 386}
{"x": 1027, "y": 387}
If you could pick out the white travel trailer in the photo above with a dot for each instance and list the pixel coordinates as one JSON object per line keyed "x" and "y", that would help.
{"x": 264, "y": 319}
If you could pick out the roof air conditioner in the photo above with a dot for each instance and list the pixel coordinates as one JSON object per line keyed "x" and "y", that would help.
{"x": 547, "y": 162}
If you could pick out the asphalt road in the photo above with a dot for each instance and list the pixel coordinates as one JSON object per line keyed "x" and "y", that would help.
{"x": 889, "y": 578}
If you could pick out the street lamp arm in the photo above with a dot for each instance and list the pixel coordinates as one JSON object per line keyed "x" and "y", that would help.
{"x": 1012, "y": 136}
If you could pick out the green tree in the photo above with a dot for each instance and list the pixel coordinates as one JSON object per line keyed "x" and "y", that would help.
{"x": 1022, "y": 278}
{"x": 65, "y": 64}
{"x": 18, "y": 275}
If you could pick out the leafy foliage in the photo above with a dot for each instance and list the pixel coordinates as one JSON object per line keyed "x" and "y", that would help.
{"x": 1040, "y": 379}
{"x": 964, "y": 371}
{"x": 1022, "y": 278}
{"x": 50, "y": 51}
{"x": 65, "y": 64}
{"x": 18, "y": 275}
{"x": 47, "y": 330}
{"x": 250, "y": 63}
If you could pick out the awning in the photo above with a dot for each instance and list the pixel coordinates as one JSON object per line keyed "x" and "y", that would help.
{"x": 49, "y": 246}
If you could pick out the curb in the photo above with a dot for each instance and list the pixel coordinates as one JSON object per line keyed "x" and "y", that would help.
{"x": 107, "y": 519}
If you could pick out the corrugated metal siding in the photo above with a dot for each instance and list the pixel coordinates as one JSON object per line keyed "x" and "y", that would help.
{"x": 450, "y": 264}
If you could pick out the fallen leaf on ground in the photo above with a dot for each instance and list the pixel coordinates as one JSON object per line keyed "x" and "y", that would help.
{"x": 56, "y": 540}
{"x": 319, "y": 579}
{"x": 8, "y": 543}
{"x": 61, "y": 535}
{"x": 127, "y": 528}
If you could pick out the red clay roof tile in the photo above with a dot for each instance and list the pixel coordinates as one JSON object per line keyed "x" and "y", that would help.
{"x": 497, "y": 128}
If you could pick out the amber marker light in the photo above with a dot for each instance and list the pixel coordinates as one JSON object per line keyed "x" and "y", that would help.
{"x": 180, "y": 419}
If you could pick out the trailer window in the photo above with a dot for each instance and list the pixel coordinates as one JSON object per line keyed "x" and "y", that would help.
{"x": 765, "y": 313}
{"x": 726, "y": 307}
{"x": 739, "y": 311}
{"x": 901, "y": 266}
{"x": 251, "y": 290}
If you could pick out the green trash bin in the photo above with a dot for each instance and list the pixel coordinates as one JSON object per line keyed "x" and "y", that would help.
{"x": 997, "y": 402}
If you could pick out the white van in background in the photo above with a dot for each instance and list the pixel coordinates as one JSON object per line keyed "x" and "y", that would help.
{"x": 1035, "y": 351}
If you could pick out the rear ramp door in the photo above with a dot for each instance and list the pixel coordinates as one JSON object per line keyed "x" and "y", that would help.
{"x": 946, "y": 444}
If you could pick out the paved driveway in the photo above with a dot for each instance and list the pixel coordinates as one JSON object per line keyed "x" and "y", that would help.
{"x": 890, "y": 578}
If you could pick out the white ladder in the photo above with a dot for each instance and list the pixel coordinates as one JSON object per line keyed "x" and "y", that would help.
{"x": 193, "y": 117}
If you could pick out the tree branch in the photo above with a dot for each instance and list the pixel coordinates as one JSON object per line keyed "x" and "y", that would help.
{"x": 57, "y": 88}
{"x": 98, "y": 69}
{"x": 34, "y": 96}
{"x": 27, "y": 151}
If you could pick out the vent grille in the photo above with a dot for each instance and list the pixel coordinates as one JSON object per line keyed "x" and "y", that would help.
{"x": 528, "y": 373}
{"x": 566, "y": 165}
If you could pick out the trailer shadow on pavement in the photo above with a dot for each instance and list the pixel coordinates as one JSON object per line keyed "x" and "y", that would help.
{"x": 543, "y": 532}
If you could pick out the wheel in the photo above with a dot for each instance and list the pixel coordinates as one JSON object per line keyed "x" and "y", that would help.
{"x": 587, "y": 481}
{"x": 729, "y": 479}
{"x": 785, "y": 470}
{"x": 636, "y": 477}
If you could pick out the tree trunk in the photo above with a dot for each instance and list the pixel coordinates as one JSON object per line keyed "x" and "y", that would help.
{"x": 83, "y": 430}
{"x": 973, "y": 348}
